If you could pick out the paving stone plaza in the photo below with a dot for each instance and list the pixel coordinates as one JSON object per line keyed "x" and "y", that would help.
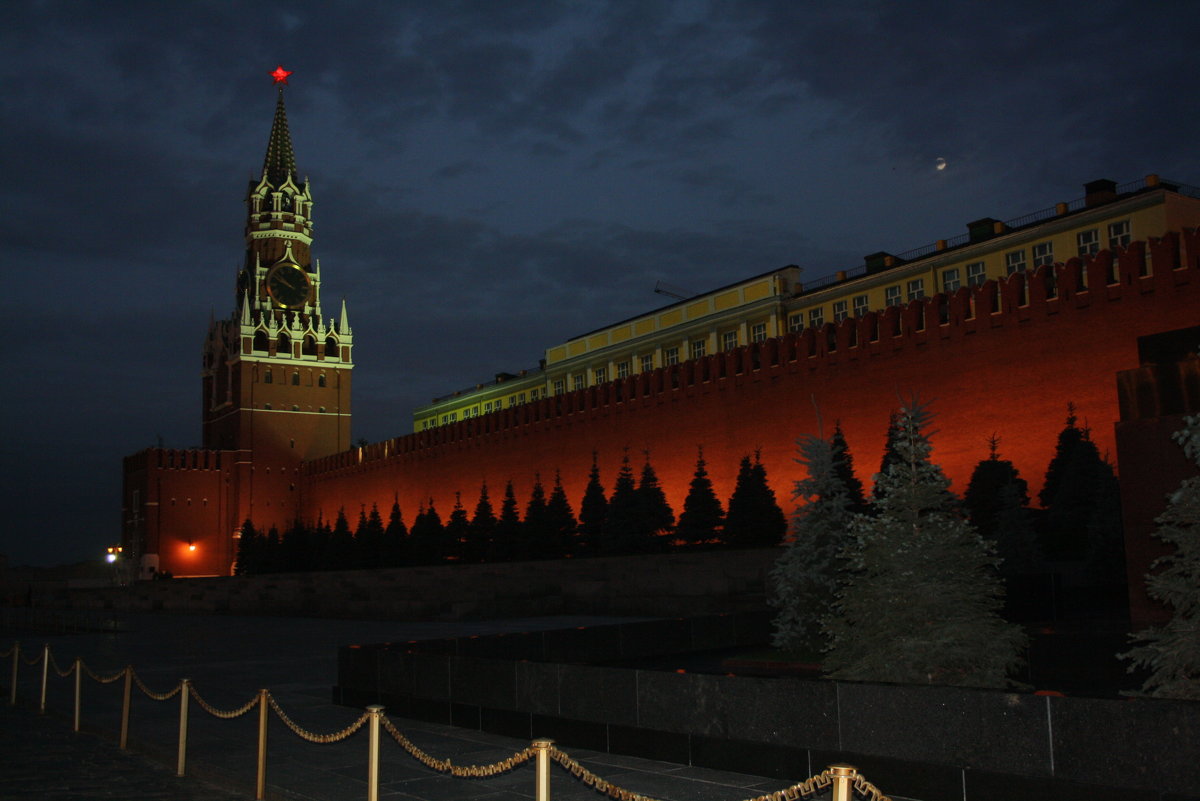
{"x": 228, "y": 659}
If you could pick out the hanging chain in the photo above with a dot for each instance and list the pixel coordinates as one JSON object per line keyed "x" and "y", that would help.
{"x": 865, "y": 788}
{"x": 9, "y": 652}
{"x": 103, "y": 679}
{"x": 446, "y": 766}
{"x": 33, "y": 661}
{"x": 156, "y": 696}
{"x": 220, "y": 713}
{"x": 317, "y": 738}
{"x": 62, "y": 673}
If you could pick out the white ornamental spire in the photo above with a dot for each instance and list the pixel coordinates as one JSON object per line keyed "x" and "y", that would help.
{"x": 344, "y": 321}
{"x": 246, "y": 319}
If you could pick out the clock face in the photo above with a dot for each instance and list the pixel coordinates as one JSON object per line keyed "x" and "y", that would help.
{"x": 288, "y": 285}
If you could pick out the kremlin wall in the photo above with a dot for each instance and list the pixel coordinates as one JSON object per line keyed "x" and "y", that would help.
{"x": 993, "y": 355}
{"x": 1007, "y": 361}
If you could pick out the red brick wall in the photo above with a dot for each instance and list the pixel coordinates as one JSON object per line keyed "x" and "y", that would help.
{"x": 1011, "y": 373}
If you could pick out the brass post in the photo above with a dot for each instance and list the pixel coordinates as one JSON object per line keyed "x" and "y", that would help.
{"x": 543, "y": 769}
{"x": 12, "y": 700}
{"x": 125, "y": 707}
{"x": 260, "y": 786}
{"x": 184, "y": 692}
{"x": 78, "y": 688}
{"x": 376, "y": 712}
{"x": 45, "y": 669}
{"x": 843, "y": 782}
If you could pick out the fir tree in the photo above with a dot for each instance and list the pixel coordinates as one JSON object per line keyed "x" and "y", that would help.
{"x": 293, "y": 549}
{"x": 996, "y": 502}
{"x": 702, "y": 515}
{"x": 655, "y": 515}
{"x": 1172, "y": 651}
{"x": 806, "y": 578}
{"x": 754, "y": 518}
{"x": 844, "y": 465}
{"x": 560, "y": 518}
{"x": 339, "y": 554}
{"x": 457, "y": 530}
{"x": 890, "y": 456}
{"x": 270, "y": 556}
{"x": 537, "y": 541}
{"x": 593, "y": 509}
{"x": 922, "y": 600}
{"x": 369, "y": 539}
{"x": 249, "y": 551}
{"x": 1082, "y": 501}
{"x": 426, "y": 537}
{"x": 506, "y": 542}
{"x": 483, "y": 529}
{"x": 395, "y": 537}
{"x": 623, "y": 526}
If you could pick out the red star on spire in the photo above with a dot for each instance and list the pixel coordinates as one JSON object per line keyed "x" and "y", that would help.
{"x": 280, "y": 74}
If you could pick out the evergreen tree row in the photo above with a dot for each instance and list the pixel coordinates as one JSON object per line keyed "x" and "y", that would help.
{"x": 635, "y": 518}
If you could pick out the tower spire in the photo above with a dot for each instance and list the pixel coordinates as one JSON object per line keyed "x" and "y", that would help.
{"x": 280, "y": 161}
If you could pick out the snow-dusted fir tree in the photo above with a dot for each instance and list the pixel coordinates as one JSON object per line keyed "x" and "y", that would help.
{"x": 805, "y": 578}
{"x": 921, "y": 601}
{"x": 1172, "y": 651}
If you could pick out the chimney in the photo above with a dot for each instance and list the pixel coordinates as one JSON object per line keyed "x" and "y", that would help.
{"x": 981, "y": 229}
{"x": 877, "y": 262}
{"x": 1097, "y": 193}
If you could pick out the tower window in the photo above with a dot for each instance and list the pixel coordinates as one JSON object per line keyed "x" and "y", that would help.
{"x": 284, "y": 347}
{"x": 266, "y": 406}
{"x": 295, "y": 379}
{"x": 320, "y": 381}
{"x": 310, "y": 346}
{"x": 267, "y": 377}
{"x": 331, "y": 348}
{"x": 261, "y": 343}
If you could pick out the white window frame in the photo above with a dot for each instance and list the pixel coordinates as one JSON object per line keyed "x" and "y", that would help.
{"x": 729, "y": 340}
{"x": 758, "y": 332}
{"x": 840, "y": 311}
{"x": 1014, "y": 261}
{"x": 1088, "y": 241}
{"x": 816, "y": 317}
{"x": 670, "y": 356}
{"x": 976, "y": 273}
{"x": 915, "y": 290}
{"x": 951, "y": 280}
{"x": 1043, "y": 254}
{"x": 892, "y": 296}
{"x": 862, "y": 304}
{"x": 1119, "y": 234}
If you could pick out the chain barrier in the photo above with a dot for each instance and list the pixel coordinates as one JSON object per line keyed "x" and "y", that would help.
{"x": 33, "y": 661}
{"x": 446, "y": 766}
{"x": 102, "y": 679}
{"x": 219, "y": 713}
{"x": 865, "y": 788}
{"x": 62, "y": 674}
{"x": 156, "y": 696}
{"x": 541, "y": 749}
{"x": 316, "y": 738}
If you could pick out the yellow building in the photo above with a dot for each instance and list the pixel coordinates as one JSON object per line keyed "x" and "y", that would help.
{"x": 776, "y": 302}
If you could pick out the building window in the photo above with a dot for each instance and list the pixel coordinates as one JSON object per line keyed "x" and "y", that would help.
{"x": 796, "y": 321}
{"x": 729, "y": 340}
{"x": 577, "y": 381}
{"x": 950, "y": 280}
{"x": 535, "y": 393}
{"x": 321, "y": 409}
{"x": 891, "y": 296}
{"x": 560, "y": 386}
{"x": 816, "y": 317}
{"x": 976, "y": 273}
{"x": 267, "y": 377}
{"x": 697, "y": 348}
{"x": 295, "y": 379}
{"x": 295, "y": 408}
{"x": 1043, "y": 254}
{"x": 647, "y": 363}
{"x": 670, "y": 356}
{"x": 758, "y": 333}
{"x": 1118, "y": 234}
{"x": 521, "y": 398}
{"x": 601, "y": 374}
{"x": 512, "y": 401}
{"x": 622, "y": 369}
{"x": 1088, "y": 241}
{"x": 916, "y": 289}
{"x": 266, "y": 406}
{"x": 860, "y": 305}
{"x": 1014, "y": 261}
{"x": 840, "y": 311}
{"x": 320, "y": 381}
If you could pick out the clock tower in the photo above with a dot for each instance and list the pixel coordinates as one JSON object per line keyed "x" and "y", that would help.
{"x": 276, "y": 374}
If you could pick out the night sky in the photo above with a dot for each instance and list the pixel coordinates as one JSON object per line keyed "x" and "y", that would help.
{"x": 492, "y": 178}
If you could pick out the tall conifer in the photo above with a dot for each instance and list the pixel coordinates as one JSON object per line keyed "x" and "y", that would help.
{"x": 593, "y": 509}
{"x": 623, "y": 525}
{"x": 395, "y": 537}
{"x": 702, "y": 516}
{"x": 536, "y": 537}
{"x": 844, "y": 465}
{"x": 1172, "y": 651}
{"x": 506, "y": 541}
{"x": 457, "y": 530}
{"x": 560, "y": 518}
{"x": 656, "y": 517}
{"x": 996, "y": 503}
{"x": 922, "y": 600}
{"x": 754, "y": 518}
{"x": 806, "y": 578}
{"x": 250, "y": 551}
{"x": 483, "y": 529}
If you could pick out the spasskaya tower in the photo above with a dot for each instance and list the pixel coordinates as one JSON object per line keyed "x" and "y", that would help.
{"x": 276, "y": 375}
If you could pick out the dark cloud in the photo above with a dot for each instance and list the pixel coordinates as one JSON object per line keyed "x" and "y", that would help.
{"x": 492, "y": 178}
